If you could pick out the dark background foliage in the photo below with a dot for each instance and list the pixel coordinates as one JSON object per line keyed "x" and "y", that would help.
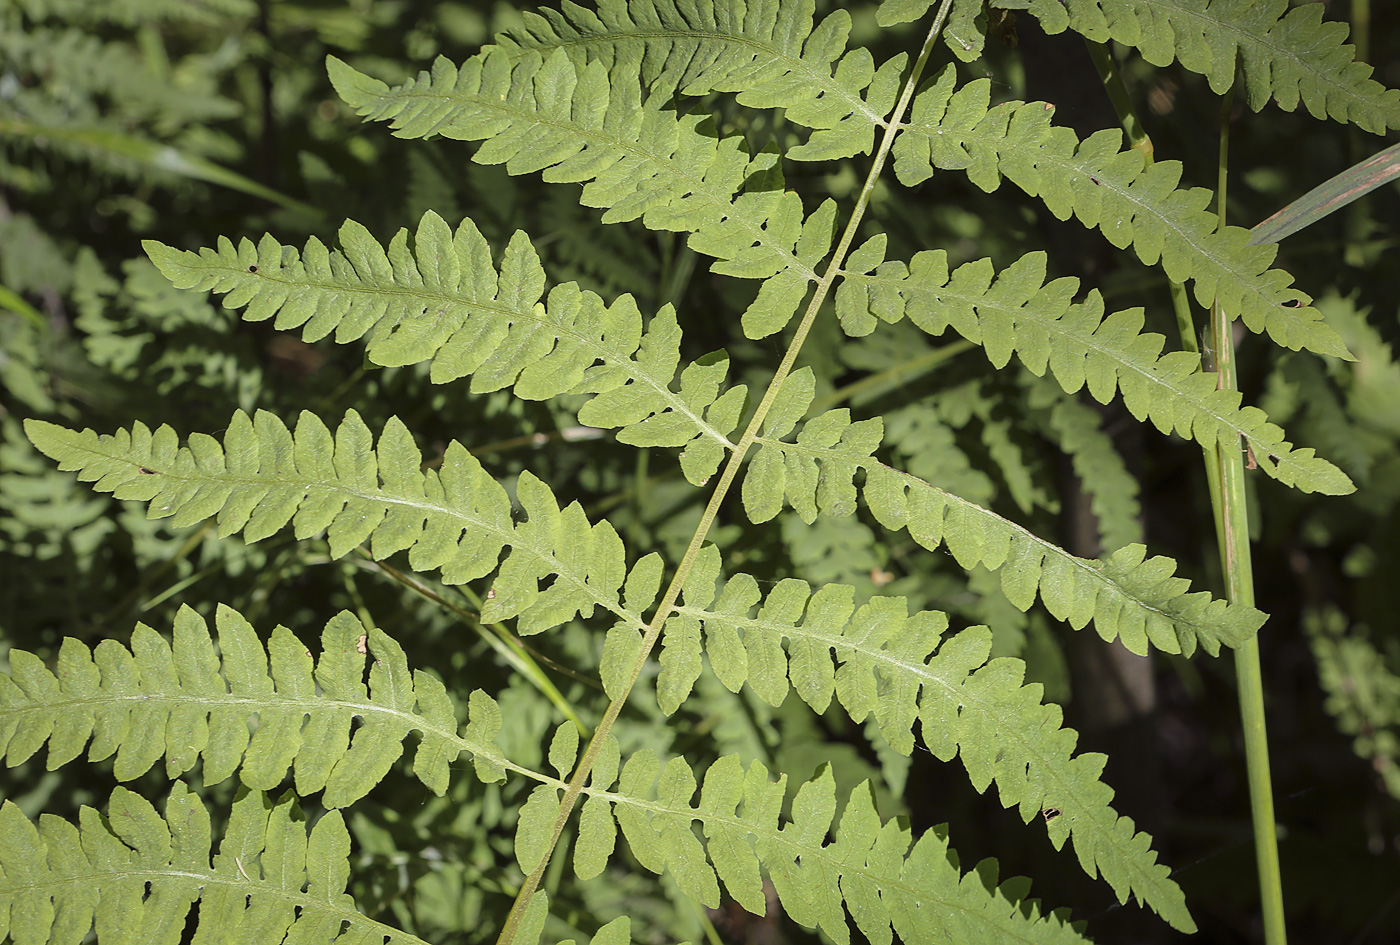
{"x": 108, "y": 113}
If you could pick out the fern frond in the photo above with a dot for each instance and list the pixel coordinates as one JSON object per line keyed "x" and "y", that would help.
{"x": 1116, "y": 191}
{"x": 85, "y": 64}
{"x": 455, "y": 518}
{"x": 635, "y": 159}
{"x": 770, "y": 54}
{"x": 868, "y": 870}
{"x": 1016, "y": 312}
{"x": 134, "y": 875}
{"x": 1286, "y": 52}
{"x": 444, "y": 300}
{"x": 1127, "y": 595}
{"x": 886, "y": 665}
{"x": 183, "y": 701}
{"x": 927, "y": 447}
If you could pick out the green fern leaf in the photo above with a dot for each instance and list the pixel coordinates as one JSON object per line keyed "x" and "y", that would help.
{"x": 1286, "y": 54}
{"x": 455, "y": 518}
{"x": 1016, "y": 312}
{"x": 1138, "y": 601}
{"x": 444, "y": 300}
{"x": 1362, "y": 686}
{"x": 776, "y": 474}
{"x": 1116, "y": 191}
{"x": 966, "y": 706}
{"x": 1126, "y": 596}
{"x": 182, "y": 701}
{"x": 868, "y": 870}
{"x": 636, "y": 160}
{"x": 134, "y": 875}
{"x": 772, "y": 56}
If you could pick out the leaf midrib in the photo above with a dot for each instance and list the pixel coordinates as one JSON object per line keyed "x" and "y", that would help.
{"x": 1081, "y": 564}
{"x": 666, "y": 168}
{"x": 1088, "y": 341}
{"x": 249, "y": 886}
{"x": 1046, "y": 768}
{"x": 608, "y": 356}
{"x": 780, "y": 837}
{"x": 335, "y": 485}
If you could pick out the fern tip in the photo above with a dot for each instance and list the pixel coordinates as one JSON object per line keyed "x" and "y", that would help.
{"x": 352, "y": 86}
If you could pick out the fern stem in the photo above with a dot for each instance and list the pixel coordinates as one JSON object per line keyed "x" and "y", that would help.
{"x": 711, "y": 933}
{"x": 133, "y": 599}
{"x": 495, "y": 636}
{"x": 1113, "y": 84}
{"x": 357, "y": 599}
{"x": 891, "y": 377}
{"x": 1225, "y": 479}
{"x": 1239, "y": 582}
{"x": 637, "y": 499}
{"x": 727, "y": 478}
{"x": 178, "y": 587}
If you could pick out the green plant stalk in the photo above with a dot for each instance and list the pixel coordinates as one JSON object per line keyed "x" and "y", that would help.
{"x": 494, "y": 635}
{"x": 1358, "y": 214}
{"x": 890, "y": 378}
{"x": 1225, "y": 478}
{"x": 134, "y": 598}
{"x": 1112, "y": 78}
{"x": 11, "y": 301}
{"x": 652, "y": 631}
{"x": 1233, "y": 538}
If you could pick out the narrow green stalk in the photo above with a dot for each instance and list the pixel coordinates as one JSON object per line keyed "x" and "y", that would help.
{"x": 134, "y": 599}
{"x": 1358, "y": 223}
{"x": 726, "y": 481}
{"x": 1138, "y": 139}
{"x": 495, "y": 636}
{"x": 179, "y": 587}
{"x": 1225, "y": 475}
{"x": 357, "y": 599}
{"x": 11, "y": 301}
{"x": 637, "y": 500}
{"x": 1239, "y": 583}
{"x": 1117, "y": 90}
{"x": 890, "y": 378}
